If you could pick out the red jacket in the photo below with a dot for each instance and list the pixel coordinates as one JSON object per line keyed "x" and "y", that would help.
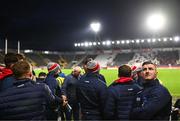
{"x": 4, "y": 72}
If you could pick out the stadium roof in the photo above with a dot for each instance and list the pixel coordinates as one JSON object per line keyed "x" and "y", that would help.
{"x": 58, "y": 24}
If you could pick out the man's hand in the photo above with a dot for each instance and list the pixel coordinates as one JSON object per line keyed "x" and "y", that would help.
{"x": 64, "y": 98}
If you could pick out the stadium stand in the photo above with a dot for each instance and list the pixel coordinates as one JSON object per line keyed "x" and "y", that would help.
{"x": 123, "y": 58}
{"x": 105, "y": 59}
{"x": 168, "y": 57}
{"x": 35, "y": 58}
{"x": 140, "y": 57}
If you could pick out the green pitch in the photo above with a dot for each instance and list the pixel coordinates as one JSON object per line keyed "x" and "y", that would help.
{"x": 170, "y": 78}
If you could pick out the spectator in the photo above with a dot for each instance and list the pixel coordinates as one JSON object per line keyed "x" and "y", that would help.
{"x": 6, "y": 74}
{"x": 69, "y": 93}
{"x": 20, "y": 56}
{"x": 92, "y": 93}
{"x": 25, "y": 100}
{"x": 41, "y": 77}
{"x": 121, "y": 96}
{"x": 100, "y": 76}
{"x": 137, "y": 75}
{"x": 53, "y": 71}
{"x": 156, "y": 99}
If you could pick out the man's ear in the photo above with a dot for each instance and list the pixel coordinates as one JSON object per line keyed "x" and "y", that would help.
{"x": 29, "y": 74}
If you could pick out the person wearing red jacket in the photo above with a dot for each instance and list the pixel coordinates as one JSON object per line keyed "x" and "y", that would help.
{"x": 6, "y": 74}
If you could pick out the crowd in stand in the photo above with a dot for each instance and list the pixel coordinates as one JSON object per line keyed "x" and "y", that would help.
{"x": 135, "y": 95}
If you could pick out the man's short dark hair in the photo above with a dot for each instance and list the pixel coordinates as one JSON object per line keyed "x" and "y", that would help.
{"x": 42, "y": 74}
{"x": 9, "y": 59}
{"x": 20, "y": 56}
{"x": 20, "y": 68}
{"x": 148, "y": 62}
{"x": 124, "y": 71}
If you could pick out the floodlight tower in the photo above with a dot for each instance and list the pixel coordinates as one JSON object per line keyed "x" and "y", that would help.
{"x": 156, "y": 22}
{"x": 95, "y": 26}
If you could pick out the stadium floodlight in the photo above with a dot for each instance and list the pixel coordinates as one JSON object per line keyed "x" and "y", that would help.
{"x": 78, "y": 44}
{"x": 156, "y": 22}
{"x": 170, "y": 38}
{"x": 142, "y": 40}
{"x": 137, "y": 41}
{"x": 104, "y": 43}
{"x": 127, "y": 41}
{"x": 132, "y": 41}
{"x": 159, "y": 39}
{"x": 75, "y": 44}
{"x": 112, "y": 42}
{"x": 82, "y": 44}
{"x": 86, "y": 44}
{"x": 46, "y": 52}
{"x": 122, "y": 42}
{"x": 148, "y": 40}
{"x": 164, "y": 39}
{"x": 108, "y": 42}
{"x": 95, "y": 26}
{"x": 99, "y": 43}
{"x": 28, "y": 51}
{"x": 94, "y": 43}
{"x": 153, "y": 40}
{"x": 176, "y": 38}
{"x": 90, "y": 43}
{"x": 118, "y": 42}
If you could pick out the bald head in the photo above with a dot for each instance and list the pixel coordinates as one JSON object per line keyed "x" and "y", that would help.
{"x": 76, "y": 71}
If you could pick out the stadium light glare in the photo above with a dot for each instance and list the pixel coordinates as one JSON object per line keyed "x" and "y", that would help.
{"x": 142, "y": 40}
{"x": 46, "y": 52}
{"x": 28, "y": 51}
{"x": 86, "y": 44}
{"x": 75, "y": 44}
{"x": 99, "y": 43}
{"x": 94, "y": 43}
{"x": 153, "y": 40}
{"x": 122, "y": 42}
{"x": 95, "y": 26}
{"x": 112, "y": 42}
{"x": 132, "y": 41}
{"x": 78, "y": 44}
{"x": 156, "y": 22}
{"x": 137, "y": 41}
{"x": 127, "y": 41}
{"x": 164, "y": 39}
{"x": 118, "y": 42}
{"x": 176, "y": 38}
{"x": 108, "y": 42}
{"x": 82, "y": 44}
{"x": 159, "y": 39}
{"x": 148, "y": 40}
{"x": 90, "y": 43}
{"x": 170, "y": 38}
{"x": 104, "y": 43}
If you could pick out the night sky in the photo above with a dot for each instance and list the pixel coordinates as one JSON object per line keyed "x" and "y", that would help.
{"x": 57, "y": 24}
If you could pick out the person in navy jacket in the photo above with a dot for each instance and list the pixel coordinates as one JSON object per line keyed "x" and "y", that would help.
{"x": 121, "y": 96}
{"x": 26, "y": 99}
{"x": 68, "y": 89}
{"x": 156, "y": 100}
{"x": 91, "y": 93}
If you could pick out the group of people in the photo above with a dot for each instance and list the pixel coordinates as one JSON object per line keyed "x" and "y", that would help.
{"x": 135, "y": 95}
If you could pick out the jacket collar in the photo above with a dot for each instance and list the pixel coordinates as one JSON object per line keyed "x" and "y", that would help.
{"x": 22, "y": 81}
{"x": 123, "y": 80}
{"x": 151, "y": 83}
